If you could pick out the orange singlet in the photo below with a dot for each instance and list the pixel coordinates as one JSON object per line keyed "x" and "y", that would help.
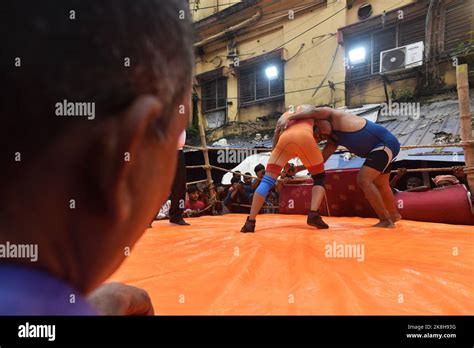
{"x": 297, "y": 140}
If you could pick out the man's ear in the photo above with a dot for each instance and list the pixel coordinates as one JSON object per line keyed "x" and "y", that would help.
{"x": 120, "y": 138}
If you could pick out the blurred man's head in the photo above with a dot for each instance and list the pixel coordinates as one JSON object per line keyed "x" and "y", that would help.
{"x": 259, "y": 170}
{"x": 322, "y": 129}
{"x": 248, "y": 178}
{"x": 85, "y": 186}
{"x": 193, "y": 193}
{"x": 291, "y": 170}
{"x": 235, "y": 181}
{"x": 237, "y": 174}
{"x": 413, "y": 182}
{"x": 445, "y": 180}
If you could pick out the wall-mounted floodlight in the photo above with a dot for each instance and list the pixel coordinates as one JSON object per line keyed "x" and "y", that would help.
{"x": 357, "y": 55}
{"x": 271, "y": 72}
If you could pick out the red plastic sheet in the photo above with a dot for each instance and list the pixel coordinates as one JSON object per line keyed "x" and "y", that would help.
{"x": 289, "y": 268}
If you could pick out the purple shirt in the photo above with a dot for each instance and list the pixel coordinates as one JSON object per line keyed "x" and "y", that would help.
{"x": 26, "y": 291}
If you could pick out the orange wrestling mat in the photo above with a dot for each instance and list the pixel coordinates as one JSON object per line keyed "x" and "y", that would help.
{"x": 288, "y": 268}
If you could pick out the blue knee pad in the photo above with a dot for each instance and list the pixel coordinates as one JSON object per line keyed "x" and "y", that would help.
{"x": 265, "y": 185}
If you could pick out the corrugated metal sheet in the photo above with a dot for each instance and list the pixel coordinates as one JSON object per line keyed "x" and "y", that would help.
{"x": 438, "y": 124}
{"x": 445, "y": 154}
{"x": 424, "y": 131}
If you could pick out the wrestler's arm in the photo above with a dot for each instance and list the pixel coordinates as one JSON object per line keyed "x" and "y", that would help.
{"x": 329, "y": 149}
{"x": 279, "y": 184}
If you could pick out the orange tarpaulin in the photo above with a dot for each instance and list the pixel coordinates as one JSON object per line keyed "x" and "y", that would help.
{"x": 289, "y": 268}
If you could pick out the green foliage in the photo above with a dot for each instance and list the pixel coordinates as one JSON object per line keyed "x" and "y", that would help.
{"x": 192, "y": 132}
{"x": 403, "y": 94}
{"x": 465, "y": 48}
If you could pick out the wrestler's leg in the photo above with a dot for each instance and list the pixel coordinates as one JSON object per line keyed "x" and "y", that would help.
{"x": 313, "y": 160}
{"x": 383, "y": 185}
{"x": 365, "y": 180}
{"x": 278, "y": 159}
{"x": 258, "y": 197}
{"x": 317, "y": 194}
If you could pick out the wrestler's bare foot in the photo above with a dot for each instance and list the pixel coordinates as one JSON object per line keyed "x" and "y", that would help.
{"x": 385, "y": 224}
{"x": 396, "y": 218}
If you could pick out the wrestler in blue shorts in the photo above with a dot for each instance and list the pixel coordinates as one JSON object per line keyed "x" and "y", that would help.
{"x": 367, "y": 140}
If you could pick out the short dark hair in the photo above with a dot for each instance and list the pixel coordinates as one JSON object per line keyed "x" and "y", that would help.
{"x": 258, "y": 168}
{"x": 235, "y": 180}
{"x": 192, "y": 188}
{"x": 84, "y": 60}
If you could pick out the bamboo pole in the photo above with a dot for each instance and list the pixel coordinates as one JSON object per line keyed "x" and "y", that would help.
{"x": 196, "y": 182}
{"x": 196, "y": 167}
{"x": 205, "y": 152}
{"x": 207, "y": 163}
{"x": 465, "y": 120}
{"x": 464, "y": 144}
{"x": 416, "y": 170}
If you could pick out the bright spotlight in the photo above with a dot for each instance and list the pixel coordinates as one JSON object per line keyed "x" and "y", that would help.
{"x": 271, "y": 72}
{"x": 357, "y": 55}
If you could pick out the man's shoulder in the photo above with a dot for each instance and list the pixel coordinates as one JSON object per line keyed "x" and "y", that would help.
{"x": 32, "y": 292}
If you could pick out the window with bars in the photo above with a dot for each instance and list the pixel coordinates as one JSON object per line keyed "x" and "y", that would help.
{"x": 459, "y": 25}
{"x": 403, "y": 33}
{"x": 255, "y": 85}
{"x": 214, "y": 95}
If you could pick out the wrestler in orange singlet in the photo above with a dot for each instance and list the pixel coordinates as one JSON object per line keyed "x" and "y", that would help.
{"x": 292, "y": 139}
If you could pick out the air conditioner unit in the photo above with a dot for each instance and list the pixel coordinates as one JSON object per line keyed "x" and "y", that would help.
{"x": 401, "y": 58}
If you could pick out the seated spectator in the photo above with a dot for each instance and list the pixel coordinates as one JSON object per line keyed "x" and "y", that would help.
{"x": 203, "y": 193}
{"x": 237, "y": 195}
{"x": 445, "y": 180}
{"x": 248, "y": 184}
{"x": 220, "y": 197}
{"x": 269, "y": 200}
{"x": 237, "y": 174}
{"x": 260, "y": 173}
{"x": 290, "y": 171}
{"x": 193, "y": 205}
{"x": 284, "y": 178}
{"x": 413, "y": 183}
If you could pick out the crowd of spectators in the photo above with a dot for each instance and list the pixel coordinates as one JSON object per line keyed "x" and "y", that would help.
{"x": 233, "y": 198}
